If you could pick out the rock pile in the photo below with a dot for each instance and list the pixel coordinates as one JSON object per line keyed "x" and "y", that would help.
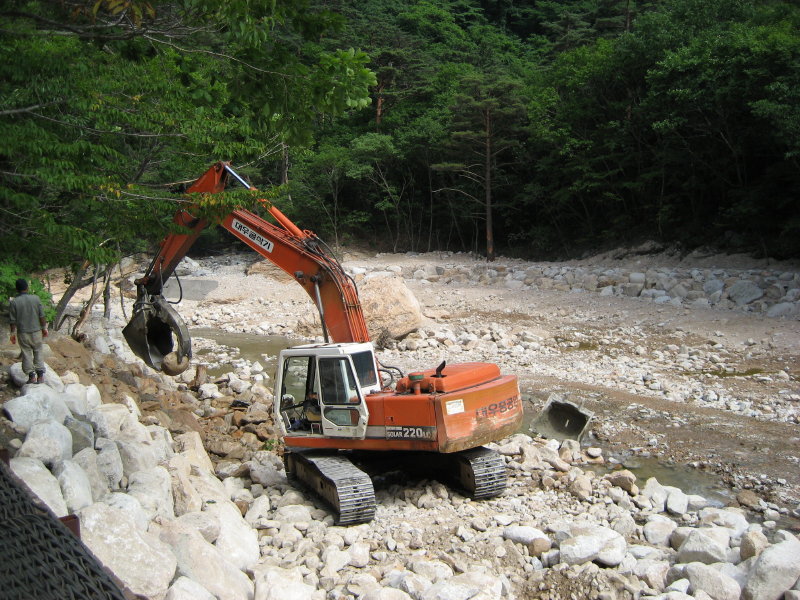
{"x": 775, "y": 293}
{"x": 197, "y": 506}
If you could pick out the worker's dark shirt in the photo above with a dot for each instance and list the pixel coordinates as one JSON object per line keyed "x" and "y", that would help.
{"x": 26, "y": 312}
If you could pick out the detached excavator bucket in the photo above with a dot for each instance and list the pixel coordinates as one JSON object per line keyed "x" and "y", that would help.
{"x": 150, "y": 336}
{"x": 561, "y": 419}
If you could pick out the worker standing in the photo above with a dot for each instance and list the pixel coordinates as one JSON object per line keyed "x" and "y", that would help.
{"x": 26, "y": 315}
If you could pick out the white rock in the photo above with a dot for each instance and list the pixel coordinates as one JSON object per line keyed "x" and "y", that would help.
{"x": 521, "y": 534}
{"x": 712, "y": 582}
{"x": 135, "y": 456}
{"x": 656, "y": 494}
{"x": 275, "y": 583}
{"x": 191, "y": 446}
{"x": 466, "y": 586}
{"x": 700, "y": 546}
{"x": 334, "y": 560}
{"x": 677, "y": 502}
{"x": 204, "y": 563}
{"x": 204, "y": 522}
{"x": 259, "y": 509}
{"x": 185, "y": 589}
{"x": 292, "y": 513}
{"x": 38, "y": 404}
{"x": 185, "y": 497}
{"x": 657, "y": 531}
{"x": 386, "y": 594}
{"x": 153, "y": 489}
{"x": 75, "y": 399}
{"x": 435, "y": 570}
{"x": 732, "y": 518}
{"x": 75, "y": 485}
{"x": 41, "y": 482}
{"x": 87, "y": 459}
{"x": 47, "y": 441}
{"x": 107, "y": 419}
{"x": 774, "y": 572}
{"x": 140, "y": 560}
{"x": 236, "y": 539}
{"x": 130, "y": 505}
{"x": 359, "y": 555}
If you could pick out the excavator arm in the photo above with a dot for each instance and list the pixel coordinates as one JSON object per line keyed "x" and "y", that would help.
{"x": 300, "y": 253}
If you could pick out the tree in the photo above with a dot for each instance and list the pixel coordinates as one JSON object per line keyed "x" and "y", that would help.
{"x": 108, "y": 106}
{"x": 487, "y": 124}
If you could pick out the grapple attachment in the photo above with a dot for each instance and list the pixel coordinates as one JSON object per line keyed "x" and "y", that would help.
{"x": 152, "y": 333}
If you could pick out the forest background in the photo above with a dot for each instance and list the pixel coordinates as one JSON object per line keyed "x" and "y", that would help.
{"x": 539, "y": 129}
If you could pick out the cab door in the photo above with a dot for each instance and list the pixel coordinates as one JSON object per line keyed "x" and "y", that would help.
{"x": 344, "y": 411}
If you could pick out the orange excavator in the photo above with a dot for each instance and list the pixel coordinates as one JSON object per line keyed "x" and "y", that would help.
{"x": 330, "y": 400}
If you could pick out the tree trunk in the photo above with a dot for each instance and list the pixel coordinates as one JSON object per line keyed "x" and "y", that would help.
{"x": 488, "y": 189}
{"x": 74, "y": 286}
{"x": 107, "y": 293}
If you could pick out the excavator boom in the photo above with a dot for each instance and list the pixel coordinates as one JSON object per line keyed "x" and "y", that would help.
{"x": 300, "y": 253}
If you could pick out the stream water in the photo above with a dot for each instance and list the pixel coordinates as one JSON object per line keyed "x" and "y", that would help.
{"x": 247, "y": 346}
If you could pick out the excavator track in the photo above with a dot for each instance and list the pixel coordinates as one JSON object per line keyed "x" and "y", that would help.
{"x": 337, "y": 481}
{"x": 481, "y": 471}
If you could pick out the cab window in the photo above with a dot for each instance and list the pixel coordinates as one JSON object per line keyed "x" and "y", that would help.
{"x": 337, "y": 381}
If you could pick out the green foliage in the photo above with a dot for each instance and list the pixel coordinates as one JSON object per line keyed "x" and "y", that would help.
{"x": 9, "y": 273}
{"x": 103, "y": 111}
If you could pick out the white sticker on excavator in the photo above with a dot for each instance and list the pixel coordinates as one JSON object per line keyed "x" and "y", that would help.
{"x": 252, "y": 235}
{"x": 453, "y": 407}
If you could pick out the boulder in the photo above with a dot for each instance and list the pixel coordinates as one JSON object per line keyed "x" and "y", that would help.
{"x": 185, "y": 589}
{"x": 744, "y": 291}
{"x": 701, "y": 546}
{"x": 467, "y": 585}
{"x": 131, "y": 506}
{"x": 135, "y": 456}
{"x": 109, "y": 461}
{"x": 435, "y": 570}
{"x": 75, "y": 485}
{"x": 624, "y": 479}
{"x": 753, "y": 543}
{"x": 236, "y": 539}
{"x": 82, "y": 434}
{"x": 191, "y": 445}
{"x": 87, "y": 460}
{"x": 142, "y": 562}
{"x": 41, "y": 482}
{"x": 39, "y": 403}
{"x": 107, "y": 419}
{"x": 774, "y": 572}
{"x": 185, "y": 497}
{"x": 153, "y": 489}
{"x": 204, "y": 522}
{"x": 47, "y": 441}
{"x": 712, "y": 582}
{"x": 204, "y": 563}
{"x": 275, "y": 583}
{"x": 75, "y": 399}
{"x": 390, "y": 308}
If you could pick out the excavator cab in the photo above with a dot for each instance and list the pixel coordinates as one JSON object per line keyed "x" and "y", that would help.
{"x": 320, "y": 389}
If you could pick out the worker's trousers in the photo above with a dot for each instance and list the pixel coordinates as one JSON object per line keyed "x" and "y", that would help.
{"x": 31, "y": 346}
